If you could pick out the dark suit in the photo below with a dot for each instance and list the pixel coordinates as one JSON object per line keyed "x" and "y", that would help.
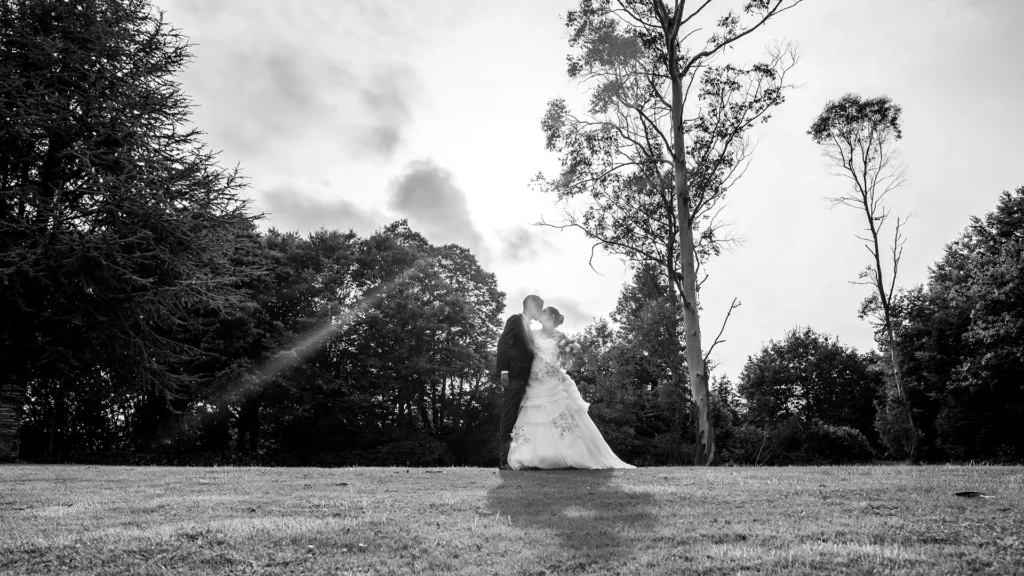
{"x": 515, "y": 354}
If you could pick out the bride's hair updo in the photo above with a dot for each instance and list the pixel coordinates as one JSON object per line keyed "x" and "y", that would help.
{"x": 555, "y": 315}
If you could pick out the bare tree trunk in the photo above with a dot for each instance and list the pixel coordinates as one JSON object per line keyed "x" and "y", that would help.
{"x": 691, "y": 317}
{"x": 52, "y": 447}
{"x": 915, "y": 455}
{"x": 884, "y": 299}
{"x": 12, "y": 397}
{"x": 59, "y": 420}
{"x": 437, "y": 401}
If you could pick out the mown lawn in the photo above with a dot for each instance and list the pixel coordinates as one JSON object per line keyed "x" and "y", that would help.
{"x": 832, "y": 520}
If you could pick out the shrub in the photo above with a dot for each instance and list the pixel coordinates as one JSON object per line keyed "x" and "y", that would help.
{"x": 767, "y": 446}
{"x": 835, "y": 444}
{"x": 794, "y": 442}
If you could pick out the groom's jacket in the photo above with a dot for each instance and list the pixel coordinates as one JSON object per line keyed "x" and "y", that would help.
{"x": 515, "y": 348}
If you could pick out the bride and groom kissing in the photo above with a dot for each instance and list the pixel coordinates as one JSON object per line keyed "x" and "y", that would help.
{"x": 544, "y": 420}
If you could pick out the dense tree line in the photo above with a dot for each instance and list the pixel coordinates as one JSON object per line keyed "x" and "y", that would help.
{"x": 141, "y": 310}
{"x": 347, "y": 350}
{"x": 962, "y": 335}
{"x": 806, "y": 398}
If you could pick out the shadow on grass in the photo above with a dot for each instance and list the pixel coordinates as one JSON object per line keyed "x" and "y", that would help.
{"x": 588, "y": 511}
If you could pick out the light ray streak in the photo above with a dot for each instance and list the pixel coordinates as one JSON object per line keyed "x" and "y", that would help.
{"x": 314, "y": 338}
{"x": 309, "y": 343}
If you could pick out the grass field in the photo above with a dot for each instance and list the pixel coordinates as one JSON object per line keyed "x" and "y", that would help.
{"x": 831, "y": 520}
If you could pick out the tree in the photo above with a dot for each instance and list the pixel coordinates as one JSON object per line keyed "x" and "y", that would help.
{"x": 629, "y": 375}
{"x": 960, "y": 337}
{"x": 233, "y": 341}
{"x": 395, "y": 338}
{"x": 633, "y": 214}
{"x": 115, "y": 220}
{"x": 858, "y": 136}
{"x": 810, "y": 377}
{"x": 653, "y": 174}
{"x": 982, "y": 272}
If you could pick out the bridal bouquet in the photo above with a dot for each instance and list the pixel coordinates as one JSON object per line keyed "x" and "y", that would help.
{"x": 568, "y": 350}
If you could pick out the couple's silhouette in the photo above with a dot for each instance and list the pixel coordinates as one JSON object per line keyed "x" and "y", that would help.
{"x": 544, "y": 420}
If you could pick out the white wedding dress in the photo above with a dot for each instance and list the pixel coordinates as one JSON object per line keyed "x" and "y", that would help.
{"x": 553, "y": 429}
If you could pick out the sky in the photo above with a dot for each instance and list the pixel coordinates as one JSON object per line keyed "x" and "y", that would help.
{"x": 356, "y": 113}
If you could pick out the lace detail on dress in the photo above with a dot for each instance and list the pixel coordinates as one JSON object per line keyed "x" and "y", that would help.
{"x": 519, "y": 437}
{"x": 543, "y": 369}
{"x": 565, "y": 424}
{"x": 545, "y": 360}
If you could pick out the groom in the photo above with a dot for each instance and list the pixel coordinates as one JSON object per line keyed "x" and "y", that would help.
{"x": 515, "y": 355}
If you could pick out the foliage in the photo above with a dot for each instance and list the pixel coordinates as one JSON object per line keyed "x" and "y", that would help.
{"x": 837, "y": 444}
{"x": 632, "y": 378}
{"x": 794, "y": 442}
{"x": 632, "y": 374}
{"x": 114, "y": 218}
{"x": 852, "y": 121}
{"x": 116, "y": 222}
{"x": 350, "y": 350}
{"x": 894, "y": 432}
{"x": 616, "y": 178}
{"x": 961, "y": 336}
{"x": 809, "y": 377}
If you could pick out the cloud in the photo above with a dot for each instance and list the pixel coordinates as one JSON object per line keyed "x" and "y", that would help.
{"x": 520, "y": 244}
{"x": 571, "y": 310}
{"x": 435, "y": 206}
{"x": 289, "y": 78}
{"x": 291, "y": 209}
{"x": 282, "y": 96}
{"x": 387, "y": 98}
{"x": 577, "y": 316}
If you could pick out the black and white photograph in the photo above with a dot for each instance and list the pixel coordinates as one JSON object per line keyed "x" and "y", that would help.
{"x": 530, "y": 287}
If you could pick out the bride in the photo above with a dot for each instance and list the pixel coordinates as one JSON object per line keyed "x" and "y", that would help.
{"x": 553, "y": 429}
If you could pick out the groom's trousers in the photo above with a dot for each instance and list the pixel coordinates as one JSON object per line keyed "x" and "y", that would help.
{"x": 510, "y": 401}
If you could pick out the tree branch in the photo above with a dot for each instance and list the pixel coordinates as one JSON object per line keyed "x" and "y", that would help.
{"x": 735, "y": 304}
